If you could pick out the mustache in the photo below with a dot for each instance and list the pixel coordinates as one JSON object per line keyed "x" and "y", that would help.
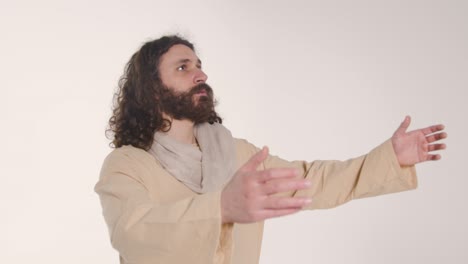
{"x": 201, "y": 87}
{"x": 167, "y": 92}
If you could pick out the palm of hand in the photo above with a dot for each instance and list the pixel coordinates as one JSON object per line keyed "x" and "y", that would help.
{"x": 415, "y": 146}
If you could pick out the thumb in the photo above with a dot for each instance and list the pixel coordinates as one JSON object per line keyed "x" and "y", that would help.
{"x": 255, "y": 160}
{"x": 404, "y": 125}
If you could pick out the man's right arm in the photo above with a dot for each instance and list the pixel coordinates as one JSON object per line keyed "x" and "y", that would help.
{"x": 146, "y": 230}
{"x": 251, "y": 195}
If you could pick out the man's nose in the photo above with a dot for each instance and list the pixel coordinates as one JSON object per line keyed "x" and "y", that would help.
{"x": 200, "y": 77}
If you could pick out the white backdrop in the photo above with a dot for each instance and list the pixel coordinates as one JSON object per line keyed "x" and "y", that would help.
{"x": 310, "y": 79}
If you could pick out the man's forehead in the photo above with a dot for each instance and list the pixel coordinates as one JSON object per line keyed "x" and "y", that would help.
{"x": 179, "y": 53}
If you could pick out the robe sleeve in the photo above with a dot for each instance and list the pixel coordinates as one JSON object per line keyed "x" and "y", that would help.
{"x": 337, "y": 182}
{"x": 144, "y": 230}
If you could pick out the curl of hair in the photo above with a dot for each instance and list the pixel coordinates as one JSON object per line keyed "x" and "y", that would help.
{"x": 136, "y": 113}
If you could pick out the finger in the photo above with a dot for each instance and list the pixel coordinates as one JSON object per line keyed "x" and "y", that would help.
{"x": 276, "y": 173}
{"x": 280, "y": 203}
{"x": 269, "y": 213}
{"x": 404, "y": 125}
{"x": 283, "y": 185}
{"x": 435, "y": 137}
{"x": 255, "y": 160}
{"x": 432, "y": 129}
{"x": 433, "y": 157}
{"x": 435, "y": 147}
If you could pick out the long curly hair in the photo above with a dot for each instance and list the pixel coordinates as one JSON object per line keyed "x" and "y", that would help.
{"x": 137, "y": 113}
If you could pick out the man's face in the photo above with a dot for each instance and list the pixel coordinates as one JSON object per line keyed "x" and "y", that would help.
{"x": 187, "y": 95}
{"x": 180, "y": 69}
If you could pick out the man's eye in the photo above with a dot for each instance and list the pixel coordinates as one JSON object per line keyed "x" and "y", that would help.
{"x": 181, "y": 68}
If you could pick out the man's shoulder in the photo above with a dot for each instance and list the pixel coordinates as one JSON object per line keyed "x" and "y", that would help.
{"x": 127, "y": 152}
{"x": 244, "y": 147}
{"x": 242, "y": 142}
{"x": 127, "y": 157}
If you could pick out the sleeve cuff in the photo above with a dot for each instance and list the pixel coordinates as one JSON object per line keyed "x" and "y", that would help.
{"x": 382, "y": 174}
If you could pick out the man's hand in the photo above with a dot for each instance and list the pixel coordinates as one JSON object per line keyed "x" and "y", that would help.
{"x": 250, "y": 195}
{"x": 415, "y": 146}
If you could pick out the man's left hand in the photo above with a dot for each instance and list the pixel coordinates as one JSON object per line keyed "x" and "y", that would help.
{"x": 416, "y": 146}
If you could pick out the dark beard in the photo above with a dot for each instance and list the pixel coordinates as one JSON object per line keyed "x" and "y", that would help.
{"x": 198, "y": 109}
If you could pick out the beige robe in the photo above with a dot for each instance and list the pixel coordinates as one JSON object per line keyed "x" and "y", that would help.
{"x": 153, "y": 218}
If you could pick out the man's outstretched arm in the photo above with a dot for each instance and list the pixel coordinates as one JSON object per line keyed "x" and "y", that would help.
{"x": 388, "y": 168}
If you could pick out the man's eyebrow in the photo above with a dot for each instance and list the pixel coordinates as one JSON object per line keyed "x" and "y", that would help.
{"x": 188, "y": 60}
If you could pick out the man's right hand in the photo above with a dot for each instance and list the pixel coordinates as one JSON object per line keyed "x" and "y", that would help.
{"x": 250, "y": 195}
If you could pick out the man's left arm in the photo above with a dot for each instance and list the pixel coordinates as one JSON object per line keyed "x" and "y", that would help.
{"x": 336, "y": 182}
{"x": 388, "y": 168}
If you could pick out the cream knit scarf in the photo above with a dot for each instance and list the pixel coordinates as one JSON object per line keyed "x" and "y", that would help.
{"x": 202, "y": 171}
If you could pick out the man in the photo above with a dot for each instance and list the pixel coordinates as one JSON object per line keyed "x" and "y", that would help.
{"x": 179, "y": 188}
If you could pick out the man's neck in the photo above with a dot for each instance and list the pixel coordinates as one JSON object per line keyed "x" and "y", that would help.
{"x": 182, "y": 131}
